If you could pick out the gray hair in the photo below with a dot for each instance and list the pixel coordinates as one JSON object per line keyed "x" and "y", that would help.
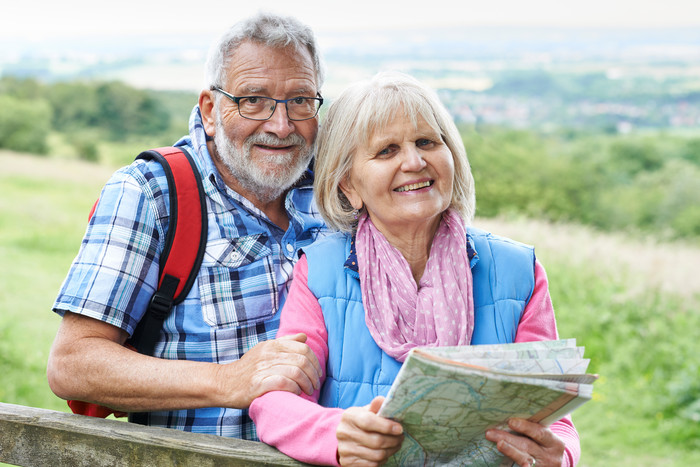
{"x": 363, "y": 110}
{"x": 266, "y": 29}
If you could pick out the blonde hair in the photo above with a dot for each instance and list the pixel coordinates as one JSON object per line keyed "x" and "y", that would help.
{"x": 362, "y": 111}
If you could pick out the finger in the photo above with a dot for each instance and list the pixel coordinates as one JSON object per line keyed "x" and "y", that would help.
{"x": 374, "y": 423}
{"x": 353, "y": 452}
{"x": 303, "y": 350}
{"x": 300, "y": 369}
{"x": 376, "y": 404}
{"x": 361, "y": 419}
{"x": 519, "y": 456}
{"x": 288, "y": 357}
{"x": 362, "y": 455}
{"x": 299, "y": 337}
{"x": 269, "y": 368}
{"x": 295, "y": 368}
{"x": 354, "y": 457}
{"x": 512, "y": 444}
{"x": 371, "y": 441}
{"x": 538, "y": 433}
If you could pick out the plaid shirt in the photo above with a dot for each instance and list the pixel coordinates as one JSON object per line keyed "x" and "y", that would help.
{"x": 241, "y": 286}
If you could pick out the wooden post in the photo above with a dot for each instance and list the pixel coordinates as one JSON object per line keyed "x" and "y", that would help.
{"x": 39, "y": 437}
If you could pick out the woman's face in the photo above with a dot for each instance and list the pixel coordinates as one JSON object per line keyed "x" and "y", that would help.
{"x": 403, "y": 176}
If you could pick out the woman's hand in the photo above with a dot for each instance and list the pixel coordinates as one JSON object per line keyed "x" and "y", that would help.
{"x": 532, "y": 444}
{"x": 365, "y": 438}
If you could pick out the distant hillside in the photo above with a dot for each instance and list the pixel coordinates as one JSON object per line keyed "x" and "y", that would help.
{"x": 641, "y": 264}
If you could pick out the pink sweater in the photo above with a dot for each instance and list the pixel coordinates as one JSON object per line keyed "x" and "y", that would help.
{"x": 301, "y": 428}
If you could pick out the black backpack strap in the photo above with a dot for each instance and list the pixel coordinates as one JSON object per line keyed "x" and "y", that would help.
{"x": 185, "y": 242}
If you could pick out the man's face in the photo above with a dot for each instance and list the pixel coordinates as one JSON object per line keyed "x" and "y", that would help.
{"x": 265, "y": 157}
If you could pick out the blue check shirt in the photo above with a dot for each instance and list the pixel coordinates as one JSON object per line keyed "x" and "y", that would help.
{"x": 241, "y": 286}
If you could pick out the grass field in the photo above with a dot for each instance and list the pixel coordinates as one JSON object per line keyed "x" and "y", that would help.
{"x": 634, "y": 304}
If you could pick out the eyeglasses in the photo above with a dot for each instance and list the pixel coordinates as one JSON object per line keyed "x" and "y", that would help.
{"x": 262, "y": 108}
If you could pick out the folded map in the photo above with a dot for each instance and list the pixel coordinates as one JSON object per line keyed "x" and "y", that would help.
{"x": 447, "y": 397}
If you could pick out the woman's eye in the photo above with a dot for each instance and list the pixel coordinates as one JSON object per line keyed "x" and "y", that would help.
{"x": 387, "y": 151}
{"x": 423, "y": 142}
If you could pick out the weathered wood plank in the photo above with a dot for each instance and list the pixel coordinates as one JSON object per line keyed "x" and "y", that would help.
{"x": 39, "y": 437}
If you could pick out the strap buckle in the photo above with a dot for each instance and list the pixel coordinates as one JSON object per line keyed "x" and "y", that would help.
{"x": 160, "y": 305}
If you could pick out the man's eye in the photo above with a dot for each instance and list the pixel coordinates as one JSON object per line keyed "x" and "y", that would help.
{"x": 298, "y": 100}
{"x": 253, "y": 100}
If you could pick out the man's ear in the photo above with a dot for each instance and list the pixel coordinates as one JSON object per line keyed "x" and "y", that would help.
{"x": 350, "y": 193}
{"x": 206, "y": 106}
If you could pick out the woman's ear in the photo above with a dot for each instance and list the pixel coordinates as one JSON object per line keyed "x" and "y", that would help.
{"x": 350, "y": 193}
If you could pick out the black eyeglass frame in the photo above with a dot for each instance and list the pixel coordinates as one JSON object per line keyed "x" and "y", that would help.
{"x": 237, "y": 99}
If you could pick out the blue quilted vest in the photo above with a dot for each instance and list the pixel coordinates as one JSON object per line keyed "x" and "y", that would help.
{"x": 357, "y": 369}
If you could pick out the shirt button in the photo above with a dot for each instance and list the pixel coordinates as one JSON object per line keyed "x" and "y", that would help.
{"x": 290, "y": 248}
{"x": 235, "y": 256}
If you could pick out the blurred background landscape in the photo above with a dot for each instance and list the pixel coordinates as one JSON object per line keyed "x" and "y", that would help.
{"x": 582, "y": 127}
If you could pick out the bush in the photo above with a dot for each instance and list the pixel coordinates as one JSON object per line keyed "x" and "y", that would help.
{"x": 24, "y": 124}
{"x": 647, "y": 184}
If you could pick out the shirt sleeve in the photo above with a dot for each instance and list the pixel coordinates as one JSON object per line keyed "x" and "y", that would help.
{"x": 538, "y": 324}
{"x": 296, "y": 424}
{"x": 115, "y": 271}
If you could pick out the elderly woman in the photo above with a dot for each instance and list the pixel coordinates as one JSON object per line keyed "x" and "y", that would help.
{"x": 404, "y": 270}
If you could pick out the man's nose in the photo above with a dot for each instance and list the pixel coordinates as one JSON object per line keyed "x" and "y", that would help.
{"x": 280, "y": 124}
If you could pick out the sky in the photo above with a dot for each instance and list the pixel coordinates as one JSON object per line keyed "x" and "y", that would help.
{"x": 41, "y": 20}
{"x": 94, "y": 28}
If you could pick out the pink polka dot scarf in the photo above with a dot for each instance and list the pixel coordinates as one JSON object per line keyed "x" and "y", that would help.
{"x": 401, "y": 315}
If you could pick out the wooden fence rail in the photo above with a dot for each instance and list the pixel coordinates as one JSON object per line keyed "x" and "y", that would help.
{"x": 38, "y": 437}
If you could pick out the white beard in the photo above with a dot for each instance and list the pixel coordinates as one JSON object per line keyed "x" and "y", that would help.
{"x": 266, "y": 184}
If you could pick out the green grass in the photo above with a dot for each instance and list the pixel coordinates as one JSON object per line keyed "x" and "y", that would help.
{"x": 643, "y": 348}
{"x": 42, "y": 218}
{"x": 640, "y": 334}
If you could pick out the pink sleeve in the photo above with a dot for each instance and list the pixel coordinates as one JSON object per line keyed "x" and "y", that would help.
{"x": 300, "y": 428}
{"x": 566, "y": 431}
{"x": 297, "y": 425}
{"x": 538, "y": 324}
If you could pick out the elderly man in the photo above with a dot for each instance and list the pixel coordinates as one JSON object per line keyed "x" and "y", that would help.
{"x": 252, "y": 138}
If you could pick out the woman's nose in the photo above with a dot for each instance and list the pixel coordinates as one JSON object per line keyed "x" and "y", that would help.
{"x": 412, "y": 160}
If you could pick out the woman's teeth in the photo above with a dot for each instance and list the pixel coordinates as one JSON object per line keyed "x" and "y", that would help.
{"x": 413, "y": 186}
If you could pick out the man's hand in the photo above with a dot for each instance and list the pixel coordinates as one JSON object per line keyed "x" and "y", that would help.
{"x": 283, "y": 364}
{"x": 365, "y": 438}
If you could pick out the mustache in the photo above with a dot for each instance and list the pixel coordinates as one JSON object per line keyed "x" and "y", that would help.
{"x": 267, "y": 139}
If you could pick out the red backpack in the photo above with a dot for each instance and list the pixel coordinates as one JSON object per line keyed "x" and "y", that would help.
{"x": 180, "y": 261}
